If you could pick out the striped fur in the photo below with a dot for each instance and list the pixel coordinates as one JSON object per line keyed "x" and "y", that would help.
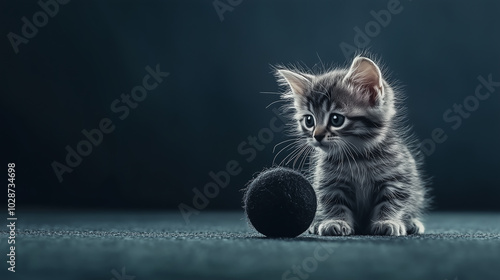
{"x": 366, "y": 172}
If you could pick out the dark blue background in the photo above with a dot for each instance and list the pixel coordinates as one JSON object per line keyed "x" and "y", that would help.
{"x": 65, "y": 78}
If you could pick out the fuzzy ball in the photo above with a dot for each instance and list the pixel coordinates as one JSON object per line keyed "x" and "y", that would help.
{"x": 280, "y": 202}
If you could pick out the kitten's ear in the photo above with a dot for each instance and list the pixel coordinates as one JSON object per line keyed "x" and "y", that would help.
{"x": 365, "y": 73}
{"x": 299, "y": 83}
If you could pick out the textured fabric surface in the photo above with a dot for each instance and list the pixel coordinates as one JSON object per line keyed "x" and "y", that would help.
{"x": 65, "y": 245}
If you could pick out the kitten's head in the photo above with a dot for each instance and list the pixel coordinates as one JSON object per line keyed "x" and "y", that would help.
{"x": 344, "y": 108}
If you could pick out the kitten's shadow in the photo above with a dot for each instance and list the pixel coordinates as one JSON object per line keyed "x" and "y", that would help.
{"x": 289, "y": 239}
{"x": 342, "y": 239}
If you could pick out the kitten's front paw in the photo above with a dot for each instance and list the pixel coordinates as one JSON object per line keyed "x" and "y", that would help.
{"x": 313, "y": 229}
{"x": 334, "y": 228}
{"x": 388, "y": 227}
{"x": 415, "y": 226}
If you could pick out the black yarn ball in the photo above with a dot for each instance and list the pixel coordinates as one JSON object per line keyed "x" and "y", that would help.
{"x": 280, "y": 202}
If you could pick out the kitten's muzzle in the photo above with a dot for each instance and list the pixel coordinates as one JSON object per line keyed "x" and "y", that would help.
{"x": 319, "y": 133}
{"x": 319, "y": 137}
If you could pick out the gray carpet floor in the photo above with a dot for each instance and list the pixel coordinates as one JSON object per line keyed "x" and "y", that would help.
{"x": 146, "y": 246}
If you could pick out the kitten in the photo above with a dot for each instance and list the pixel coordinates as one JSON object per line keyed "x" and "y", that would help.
{"x": 365, "y": 170}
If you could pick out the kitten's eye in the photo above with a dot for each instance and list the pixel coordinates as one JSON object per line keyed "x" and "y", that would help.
{"x": 309, "y": 121}
{"x": 337, "y": 120}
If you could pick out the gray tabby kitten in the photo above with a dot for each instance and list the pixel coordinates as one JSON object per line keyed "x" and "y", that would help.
{"x": 365, "y": 169}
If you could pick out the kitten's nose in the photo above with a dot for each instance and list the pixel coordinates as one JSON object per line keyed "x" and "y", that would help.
{"x": 319, "y": 137}
{"x": 319, "y": 133}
